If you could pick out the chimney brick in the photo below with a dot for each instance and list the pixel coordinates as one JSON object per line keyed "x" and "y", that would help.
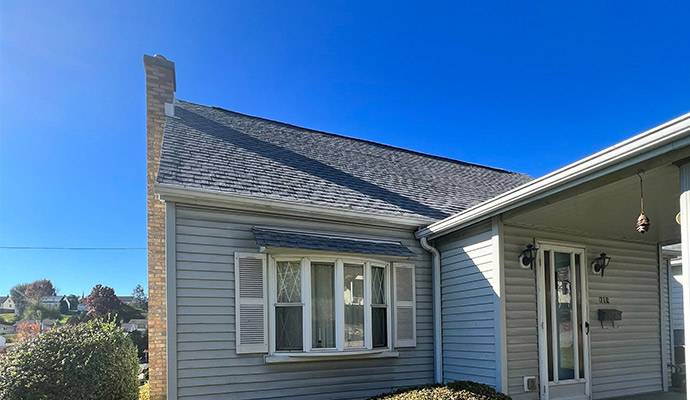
{"x": 160, "y": 89}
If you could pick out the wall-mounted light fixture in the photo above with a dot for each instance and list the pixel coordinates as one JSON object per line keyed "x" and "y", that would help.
{"x": 527, "y": 257}
{"x": 600, "y": 263}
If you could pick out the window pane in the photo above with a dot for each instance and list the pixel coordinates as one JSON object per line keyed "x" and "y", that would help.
{"x": 354, "y": 305}
{"x": 323, "y": 305}
{"x": 379, "y": 332}
{"x": 289, "y": 281}
{"x": 289, "y": 328}
{"x": 378, "y": 285}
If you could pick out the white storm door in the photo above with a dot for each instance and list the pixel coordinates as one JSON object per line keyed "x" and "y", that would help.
{"x": 563, "y": 322}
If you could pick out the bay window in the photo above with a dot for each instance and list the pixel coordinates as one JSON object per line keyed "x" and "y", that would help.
{"x": 328, "y": 305}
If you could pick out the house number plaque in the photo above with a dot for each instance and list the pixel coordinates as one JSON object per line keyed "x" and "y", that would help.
{"x": 604, "y": 300}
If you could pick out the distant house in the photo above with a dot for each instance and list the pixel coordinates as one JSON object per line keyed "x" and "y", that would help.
{"x": 128, "y": 327}
{"x": 5, "y": 329}
{"x": 48, "y": 324}
{"x": 81, "y": 307}
{"x": 126, "y": 299}
{"x": 140, "y": 324}
{"x": 54, "y": 301}
{"x": 6, "y": 304}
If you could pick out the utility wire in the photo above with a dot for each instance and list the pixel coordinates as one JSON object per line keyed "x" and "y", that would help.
{"x": 72, "y": 248}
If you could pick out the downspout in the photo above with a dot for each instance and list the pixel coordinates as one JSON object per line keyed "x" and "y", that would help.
{"x": 436, "y": 283}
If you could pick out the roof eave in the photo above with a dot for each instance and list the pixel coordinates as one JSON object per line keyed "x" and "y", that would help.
{"x": 669, "y": 136}
{"x": 197, "y": 196}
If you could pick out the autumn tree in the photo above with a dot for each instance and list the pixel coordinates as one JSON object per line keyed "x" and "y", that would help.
{"x": 102, "y": 300}
{"x": 40, "y": 289}
{"x": 26, "y": 330}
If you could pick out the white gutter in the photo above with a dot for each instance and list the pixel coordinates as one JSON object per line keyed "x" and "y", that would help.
{"x": 436, "y": 283}
{"x": 216, "y": 198}
{"x": 664, "y": 138}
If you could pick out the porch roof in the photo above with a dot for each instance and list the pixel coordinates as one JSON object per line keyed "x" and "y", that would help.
{"x": 669, "y": 140}
{"x": 313, "y": 241}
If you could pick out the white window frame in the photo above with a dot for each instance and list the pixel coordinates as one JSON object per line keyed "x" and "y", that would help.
{"x": 339, "y": 263}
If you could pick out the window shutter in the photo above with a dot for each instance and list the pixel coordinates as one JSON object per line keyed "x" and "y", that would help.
{"x": 251, "y": 303}
{"x": 405, "y": 312}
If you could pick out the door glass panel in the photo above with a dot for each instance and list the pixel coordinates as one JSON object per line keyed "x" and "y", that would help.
{"x": 549, "y": 340}
{"x": 353, "y": 292}
{"x": 323, "y": 305}
{"x": 581, "y": 317}
{"x": 563, "y": 335}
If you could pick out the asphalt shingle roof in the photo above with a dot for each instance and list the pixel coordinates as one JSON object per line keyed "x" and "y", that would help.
{"x": 300, "y": 240}
{"x": 227, "y": 152}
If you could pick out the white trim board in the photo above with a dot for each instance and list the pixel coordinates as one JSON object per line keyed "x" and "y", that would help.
{"x": 197, "y": 196}
{"x": 171, "y": 298}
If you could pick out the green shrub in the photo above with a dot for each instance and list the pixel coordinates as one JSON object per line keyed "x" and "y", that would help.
{"x": 93, "y": 360}
{"x": 459, "y": 390}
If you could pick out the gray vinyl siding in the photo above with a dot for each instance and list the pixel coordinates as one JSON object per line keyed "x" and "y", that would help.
{"x": 677, "y": 297}
{"x": 468, "y": 304}
{"x": 666, "y": 317}
{"x": 626, "y": 360}
{"x": 207, "y": 366}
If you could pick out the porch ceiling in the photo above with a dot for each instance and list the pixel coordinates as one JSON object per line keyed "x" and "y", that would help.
{"x": 611, "y": 211}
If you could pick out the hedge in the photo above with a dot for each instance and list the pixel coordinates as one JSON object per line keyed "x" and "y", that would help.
{"x": 93, "y": 360}
{"x": 458, "y": 390}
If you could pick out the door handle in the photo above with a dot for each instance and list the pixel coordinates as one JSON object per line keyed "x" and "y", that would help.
{"x": 586, "y": 328}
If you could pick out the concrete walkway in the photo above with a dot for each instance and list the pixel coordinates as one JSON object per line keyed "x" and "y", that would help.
{"x": 656, "y": 396}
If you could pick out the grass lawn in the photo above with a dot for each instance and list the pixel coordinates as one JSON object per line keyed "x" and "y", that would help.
{"x": 11, "y": 337}
{"x": 7, "y": 317}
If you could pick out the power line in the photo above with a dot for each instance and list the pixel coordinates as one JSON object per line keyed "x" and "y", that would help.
{"x": 72, "y": 248}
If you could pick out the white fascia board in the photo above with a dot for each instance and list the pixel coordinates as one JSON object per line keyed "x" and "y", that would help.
{"x": 213, "y": 198}
{"x": 669, "y": 136}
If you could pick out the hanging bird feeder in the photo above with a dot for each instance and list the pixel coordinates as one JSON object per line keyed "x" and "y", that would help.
{"x": 643, "y": 223}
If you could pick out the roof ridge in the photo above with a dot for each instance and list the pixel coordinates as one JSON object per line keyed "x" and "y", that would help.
{"x": 502, "y": 170}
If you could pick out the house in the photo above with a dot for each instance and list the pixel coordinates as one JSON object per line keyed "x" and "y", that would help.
{"x": 140, "y": 324}
{"x": 126, "y": 299}
{"x": 134, "y": 325}
{"x": 81, "y": 307}
{"x": 55, "y": 301}
{"x": 6, "y": 329}
{"x": 291, "y": 263}
{"x": 6, "y": 304}
{"x": 48, "y": 324}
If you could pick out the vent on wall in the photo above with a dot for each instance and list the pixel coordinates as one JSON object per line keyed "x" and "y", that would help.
{"x": 530, "y": 383}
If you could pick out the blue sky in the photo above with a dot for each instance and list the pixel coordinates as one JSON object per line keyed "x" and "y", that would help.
{"x": 524, "y": 86}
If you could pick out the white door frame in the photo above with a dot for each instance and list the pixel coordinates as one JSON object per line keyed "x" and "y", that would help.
{"x": 541, "y": 313}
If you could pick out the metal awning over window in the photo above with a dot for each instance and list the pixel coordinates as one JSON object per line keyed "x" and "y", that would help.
{"x": 266, "y": 237}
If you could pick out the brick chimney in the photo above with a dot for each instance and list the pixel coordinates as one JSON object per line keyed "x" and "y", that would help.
{"x": 160, "y": 89}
